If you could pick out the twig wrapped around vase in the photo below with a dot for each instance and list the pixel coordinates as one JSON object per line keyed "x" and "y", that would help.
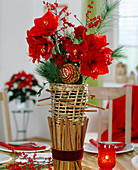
{"x": 67, "y": 142}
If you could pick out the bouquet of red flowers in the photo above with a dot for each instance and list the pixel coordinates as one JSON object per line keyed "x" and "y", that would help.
{"x": 21, "y": 86}
{"x": 65, "y": 57}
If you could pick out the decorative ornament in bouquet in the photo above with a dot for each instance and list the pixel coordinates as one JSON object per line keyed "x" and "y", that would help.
{"x": 66, "y": 59}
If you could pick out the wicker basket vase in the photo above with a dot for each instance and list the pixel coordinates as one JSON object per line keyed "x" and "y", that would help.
{"x": 68, "y": 101}
{"x": 67, "y": 122}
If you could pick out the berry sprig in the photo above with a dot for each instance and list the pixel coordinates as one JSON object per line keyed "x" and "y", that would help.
{"x": 94, "y": 22}
{"x": 78, "y": 19}
{"x": 63, "y": 10}
{"x": 89, "y": 10}
{"x": 64, "y": 20}
{"x": 50, "y": 5}
{"x": 31, "y": 165}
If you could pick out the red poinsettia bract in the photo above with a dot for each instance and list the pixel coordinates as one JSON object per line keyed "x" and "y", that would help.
{"x": 39, "y": 46}
{"x": 46, "y": 25}
{"x": 9, "y": 84}
{"x": 22, "y": 79}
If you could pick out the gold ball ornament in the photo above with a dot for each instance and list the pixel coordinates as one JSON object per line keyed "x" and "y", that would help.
{"x": 69, "y": 73}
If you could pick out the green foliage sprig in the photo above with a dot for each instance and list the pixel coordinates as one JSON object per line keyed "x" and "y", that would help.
{"x": 49, "y": 71}
{"x": 107, "y": 14}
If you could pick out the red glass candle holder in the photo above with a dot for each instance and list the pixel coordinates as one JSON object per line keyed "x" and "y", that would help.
{"x": 106, "y": 156}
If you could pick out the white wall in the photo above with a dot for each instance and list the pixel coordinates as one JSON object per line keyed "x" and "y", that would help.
{"x": 16, "y": 16}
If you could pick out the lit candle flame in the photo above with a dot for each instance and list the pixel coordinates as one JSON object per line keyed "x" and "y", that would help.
{"x": 106, "y": 157}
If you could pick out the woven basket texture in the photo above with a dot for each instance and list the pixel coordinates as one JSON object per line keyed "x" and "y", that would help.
{"x": 68, "y": 101}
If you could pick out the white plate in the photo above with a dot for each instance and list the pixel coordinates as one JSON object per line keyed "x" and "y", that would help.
{"x": 2, "y": 148}
{"x": 88, "y": 147}
{"x": 39, "y": 158}
{"x": 134, "y": 162}
{"x": 4, "y": 158}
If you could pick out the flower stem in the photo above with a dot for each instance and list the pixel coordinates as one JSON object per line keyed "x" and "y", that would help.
{"x": 56, "y": 44}
{"x": 79, "y": 21}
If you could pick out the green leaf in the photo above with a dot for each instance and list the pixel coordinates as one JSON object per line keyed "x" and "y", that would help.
{"x": 34, "y": 101}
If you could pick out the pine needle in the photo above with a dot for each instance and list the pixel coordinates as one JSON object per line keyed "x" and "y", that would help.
{"x": 107, "y": 15}
{"x": 118, "y": 53}
{"x": 49, "y": 71}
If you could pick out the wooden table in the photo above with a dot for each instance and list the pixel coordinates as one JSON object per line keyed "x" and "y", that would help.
{"x": 89, "y": 162}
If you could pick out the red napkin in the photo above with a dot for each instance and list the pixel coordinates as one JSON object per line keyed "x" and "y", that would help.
{"x": 118, "y": 146}
{"x": 94, "y": 142}
{"x": 118, "y": 127}
{"x": 20, "y": 147}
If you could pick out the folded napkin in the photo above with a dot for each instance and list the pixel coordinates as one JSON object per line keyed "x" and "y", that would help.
{"x": 118, "y": 146}
{"x": 95, "y": 143}
{"x": 26, "y": 147}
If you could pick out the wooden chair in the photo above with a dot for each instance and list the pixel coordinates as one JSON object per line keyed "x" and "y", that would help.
{"x": 5, "y": 126}
{"x": 110, "y": 93}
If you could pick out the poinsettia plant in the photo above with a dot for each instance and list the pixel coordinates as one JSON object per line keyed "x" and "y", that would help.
{"x": 65, "y": 57}
{"x": 22, "y": 86}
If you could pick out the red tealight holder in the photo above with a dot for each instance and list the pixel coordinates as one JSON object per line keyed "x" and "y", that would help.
{"x": 106, "y": 156}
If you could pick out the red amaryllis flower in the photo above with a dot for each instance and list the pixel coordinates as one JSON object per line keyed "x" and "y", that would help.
{"x": 94, "y": 40}
{"x": 46, "y": 25}
{"x": 39, "y": 46}
{"x": 65, "y": 42}
{"x": 59, "y": 59}
{"x": 101, "y": 41}
{"x": 79, "y": 31}
{"x": 76, "y": 51}
{"x": 107, "y": 52}
{"x": 95, "y": 63}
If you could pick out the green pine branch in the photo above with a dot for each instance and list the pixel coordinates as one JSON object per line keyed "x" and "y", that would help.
{"x": 49, "y": 71}
{"x": 118, "y": 53}
{"x": 107, "y": 15}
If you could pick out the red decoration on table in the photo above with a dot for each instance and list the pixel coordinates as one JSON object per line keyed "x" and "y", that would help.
{"x": 106, "y": 156}
{"x": 31, "y": 163}
{"x": 20, "y": 147}
{"x": 118, "y": 145}
{"x": 118, "y": 127}
{"x": 95, "y": 143}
